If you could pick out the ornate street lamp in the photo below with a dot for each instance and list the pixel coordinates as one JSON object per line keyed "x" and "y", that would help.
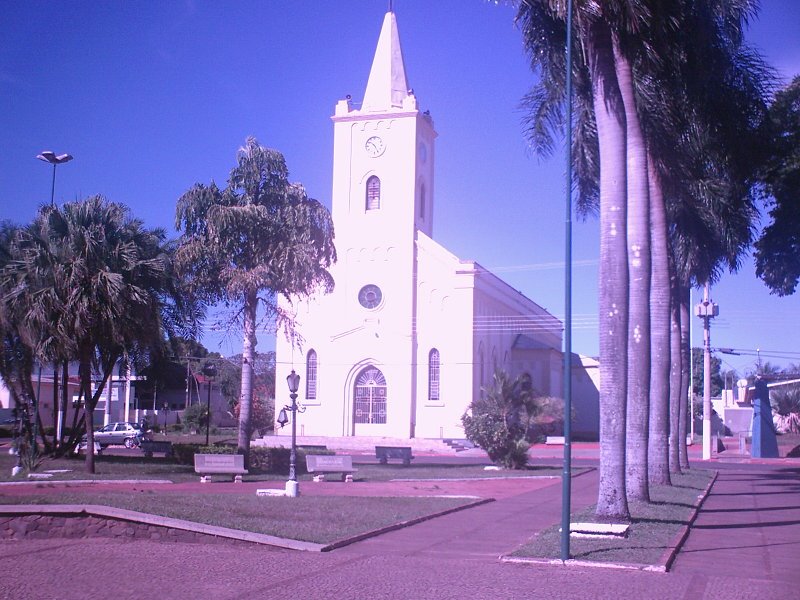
{"x": 293, "y": 380}
{"x": 50, "y": 157}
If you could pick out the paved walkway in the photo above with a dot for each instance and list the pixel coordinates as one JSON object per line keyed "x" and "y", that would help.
{"x": 745, "y": 544}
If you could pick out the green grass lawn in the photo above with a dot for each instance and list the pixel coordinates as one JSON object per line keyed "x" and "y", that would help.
{"x": 653, "y": 526}
{"x": 319, "y": 519}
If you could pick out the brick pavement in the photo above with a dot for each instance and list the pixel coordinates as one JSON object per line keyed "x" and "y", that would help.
{"x": 745, "y": 544}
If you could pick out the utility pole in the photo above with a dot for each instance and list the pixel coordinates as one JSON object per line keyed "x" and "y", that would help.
{"x": 706, "y": 310}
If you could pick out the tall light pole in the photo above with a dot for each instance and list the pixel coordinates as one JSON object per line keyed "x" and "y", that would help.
{"x": 706, "y": 310}
{"x": 566, "y": 474}
{"x": 210, "y": 371}
{"x": 50, "y": 157}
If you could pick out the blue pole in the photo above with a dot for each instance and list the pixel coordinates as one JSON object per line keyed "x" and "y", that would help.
{"x": 566, "y": 477}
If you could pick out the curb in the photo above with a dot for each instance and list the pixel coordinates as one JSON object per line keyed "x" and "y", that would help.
{"x": 68, "y": 482}
{"x": 672, "y": 551}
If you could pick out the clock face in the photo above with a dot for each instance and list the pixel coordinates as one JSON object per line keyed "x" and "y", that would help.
{"x": 374, "y": 146}
{"x": 370, "y": 296}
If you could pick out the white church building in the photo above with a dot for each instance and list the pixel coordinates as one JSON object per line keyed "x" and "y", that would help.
{"x": 411, "y": 333}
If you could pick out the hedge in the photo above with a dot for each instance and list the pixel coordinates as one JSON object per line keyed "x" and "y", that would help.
{"x": 262, "y": 460}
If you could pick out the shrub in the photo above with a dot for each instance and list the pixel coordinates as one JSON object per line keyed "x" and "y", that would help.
{"x": 262, "y": 415}
{"x": 195, "y": 417}
{"x": 503, "y": 420}
{"x": 262, "y": 460}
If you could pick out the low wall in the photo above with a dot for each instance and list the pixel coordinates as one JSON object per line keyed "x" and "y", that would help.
{"x": 81, "y": 525}
{"x": 31, "y": 521}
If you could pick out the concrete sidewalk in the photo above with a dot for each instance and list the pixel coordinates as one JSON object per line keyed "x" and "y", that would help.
{"x": 747, "y": 534}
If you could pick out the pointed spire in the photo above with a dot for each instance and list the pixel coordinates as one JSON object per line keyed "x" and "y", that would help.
{"x": 387, "y": 86}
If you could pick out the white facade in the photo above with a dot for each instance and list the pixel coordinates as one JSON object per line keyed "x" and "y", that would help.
{"x": 411, "y": 333}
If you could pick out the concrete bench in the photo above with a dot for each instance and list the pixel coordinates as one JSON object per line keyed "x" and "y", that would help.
{"x": 151, "y": 446}
{"x": 384, "y": 453}
{"x": 330, "y": 463}
{"x": 219, "y": 464}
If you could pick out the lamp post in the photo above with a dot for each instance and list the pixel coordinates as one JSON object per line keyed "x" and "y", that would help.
{"x": 210, "y": 371}
{"x": 50, "y": 157}
{"x": 293, "y": 380}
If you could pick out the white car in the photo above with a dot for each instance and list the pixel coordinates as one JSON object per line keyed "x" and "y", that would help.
{"x": 129, "y": 434}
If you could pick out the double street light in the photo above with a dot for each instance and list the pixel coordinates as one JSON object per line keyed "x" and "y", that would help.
{"x": 293, "y": 380}
{"x": 50, "y": 157}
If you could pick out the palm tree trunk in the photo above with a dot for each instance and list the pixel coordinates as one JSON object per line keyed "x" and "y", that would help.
{"x": 85, "y": 371}
{"x": 658, "y": 442}
{"x": 675, "y": 374}
{"x": 64, "y": 402}
{"x": 638, "y": 232}
{"x": 613, "y": 284}
{"x": 248, "y": 355}
{"x": 686, "y": 358}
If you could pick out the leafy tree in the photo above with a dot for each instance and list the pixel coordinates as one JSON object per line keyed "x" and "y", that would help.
{"x": 717, "y": 382}
{"x": 246, "y": 244}
{"x": 778, "y": 249}
{"x": 195, "y": 417}
{"x": 262, "y": 414}
{"x": 16, "y": 358}
{"x": 786, "y": 404}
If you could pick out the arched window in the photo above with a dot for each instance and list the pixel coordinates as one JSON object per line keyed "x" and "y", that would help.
{"x": 373, "y": 193}
{"x": 311, "y": 375}
{"x": 370, "y": 397}
{"x": 422, "y": 202}
{"x": 433, "y": 375}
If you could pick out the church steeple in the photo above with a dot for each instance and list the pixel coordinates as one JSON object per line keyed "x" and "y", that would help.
{"x": 387, "y": 87}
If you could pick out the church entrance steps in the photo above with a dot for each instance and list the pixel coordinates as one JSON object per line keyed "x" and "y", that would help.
{"x": 459, "y": 445}
{"x": 362, "y": 444}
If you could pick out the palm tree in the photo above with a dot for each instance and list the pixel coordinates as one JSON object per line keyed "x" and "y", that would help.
{"x": 109, "y": 280}
{"x": 16, "y": 358}
{"x": 659, "y": 73}
{"x": 660, "y": 337}
{"x": 245, "y": 245}
{"x": 598, "y": 91}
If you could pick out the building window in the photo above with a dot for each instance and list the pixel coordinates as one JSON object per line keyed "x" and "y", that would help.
{"x": 370, "y": 397}
{"x": 373, "y": 193}
{"x": 433, "y": 375}
{"x": 422, "y": 202}
{"x": 311, "y": 375}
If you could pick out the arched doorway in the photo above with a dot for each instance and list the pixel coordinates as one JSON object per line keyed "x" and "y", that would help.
{"x": 369, "y": 398}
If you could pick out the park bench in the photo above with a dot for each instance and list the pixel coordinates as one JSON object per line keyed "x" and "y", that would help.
{"x": 151, "y": 446}
{"x": 319, "y": 464}
{"x": 384, "y": 453}
{"x": 219, "y": 464}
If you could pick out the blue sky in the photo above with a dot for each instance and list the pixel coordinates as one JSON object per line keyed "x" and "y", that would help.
{"x": 151, "y": 97}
